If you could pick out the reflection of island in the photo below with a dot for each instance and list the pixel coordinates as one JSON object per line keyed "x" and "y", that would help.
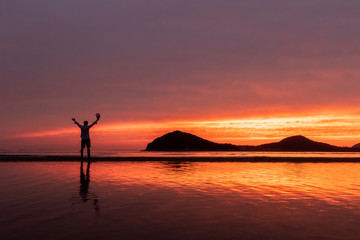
{"x": 178, "y": 166}
{"x": 181, "y": 141}
{"x": 84, "y": 188}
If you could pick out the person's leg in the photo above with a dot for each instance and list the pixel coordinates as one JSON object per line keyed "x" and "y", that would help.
{"x": 88, "y": 152}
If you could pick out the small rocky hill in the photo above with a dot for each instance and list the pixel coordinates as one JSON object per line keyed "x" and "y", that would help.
{"x": 181, "y": 141}
{"x": 299, "y": 143}
{"x": 356, "y": 146}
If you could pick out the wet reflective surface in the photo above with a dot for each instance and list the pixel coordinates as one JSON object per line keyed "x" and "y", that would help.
{"x": 179, "y": 200}
{"x": 182, "y": 154}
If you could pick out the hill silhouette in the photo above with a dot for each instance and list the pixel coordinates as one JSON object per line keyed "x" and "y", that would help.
{"x": 356, "y": 146}
{"x": 182, "y": 141}
{"x": 299, "y": 143}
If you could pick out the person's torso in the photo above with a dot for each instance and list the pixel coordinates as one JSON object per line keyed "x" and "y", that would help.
{"x": 85, "y": 132}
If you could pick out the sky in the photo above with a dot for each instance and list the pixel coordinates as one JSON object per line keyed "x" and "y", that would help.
{"x": 244, "y": 72}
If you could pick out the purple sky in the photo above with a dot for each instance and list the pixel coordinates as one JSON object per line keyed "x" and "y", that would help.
{"x": 160, "y": 60}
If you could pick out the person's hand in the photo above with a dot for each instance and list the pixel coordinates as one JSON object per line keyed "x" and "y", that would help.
{"x": 73, "y": 119}
{"x": 97, "y": 116}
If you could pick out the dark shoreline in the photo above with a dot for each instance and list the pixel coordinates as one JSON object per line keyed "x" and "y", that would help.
{"x": 35, "y": 158}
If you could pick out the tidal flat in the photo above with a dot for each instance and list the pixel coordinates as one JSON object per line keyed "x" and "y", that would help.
{"x": 179, "y": 200}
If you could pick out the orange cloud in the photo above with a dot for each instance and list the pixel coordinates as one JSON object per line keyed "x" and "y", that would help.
{"x": 332, "y": 128}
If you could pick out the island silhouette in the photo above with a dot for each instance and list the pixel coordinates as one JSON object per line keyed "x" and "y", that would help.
{"x": 182, "y": 141}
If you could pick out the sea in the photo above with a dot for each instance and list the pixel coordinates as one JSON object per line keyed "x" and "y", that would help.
{"x": 180, "y": 199}
{"x": 182, "y": 154}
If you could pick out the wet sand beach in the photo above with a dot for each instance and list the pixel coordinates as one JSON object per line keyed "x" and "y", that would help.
{"x": 131, "y": 200}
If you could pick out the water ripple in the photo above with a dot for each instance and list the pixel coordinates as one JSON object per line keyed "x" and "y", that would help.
{"x": 180, "y": 200}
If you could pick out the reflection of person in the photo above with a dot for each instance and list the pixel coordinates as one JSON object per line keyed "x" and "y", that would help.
{"x": 84, "y": 181}
{"x": 84, "y": 187}
{"x": 85, "y": 135}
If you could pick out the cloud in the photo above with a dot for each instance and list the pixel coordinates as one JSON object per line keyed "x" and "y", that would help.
{"x": 162, "y": 60}
{"x": 335, "y": 128}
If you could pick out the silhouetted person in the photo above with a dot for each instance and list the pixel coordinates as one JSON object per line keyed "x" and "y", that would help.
{"x": 85, "y": 135}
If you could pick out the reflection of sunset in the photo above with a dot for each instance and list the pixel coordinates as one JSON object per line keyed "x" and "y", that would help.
{"x": 274, "y": 181}
{"x": 175, "y": 197}
{"x": 334, "y": 129}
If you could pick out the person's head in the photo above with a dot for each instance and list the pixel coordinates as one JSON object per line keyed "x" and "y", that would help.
{"x": 86, "y": 123}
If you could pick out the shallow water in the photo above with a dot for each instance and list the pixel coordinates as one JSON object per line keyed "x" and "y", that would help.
{"x": 174, "y": 154}
{"x": 180, "y": 200}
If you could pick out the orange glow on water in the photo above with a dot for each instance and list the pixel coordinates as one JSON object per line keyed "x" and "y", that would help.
{"x": 287, "y": 181}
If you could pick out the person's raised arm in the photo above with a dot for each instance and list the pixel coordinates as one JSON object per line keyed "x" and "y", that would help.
{"x": 95, "y": 122}
{"x": 75, "y": 122}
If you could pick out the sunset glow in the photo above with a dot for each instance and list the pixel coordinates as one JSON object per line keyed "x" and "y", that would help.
{"x": 337, "y": 129}
{"x": 105, "y": 106}
{"x": 242, "y": 72}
